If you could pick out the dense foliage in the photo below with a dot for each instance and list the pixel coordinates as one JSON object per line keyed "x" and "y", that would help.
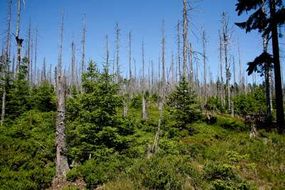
{"x": 108, "y": 150}
{"x": 94, "y": 127}
{"x": 183, "y": 105}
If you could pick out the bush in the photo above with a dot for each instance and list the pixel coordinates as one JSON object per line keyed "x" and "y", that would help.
{"x": 232, "y": 123}
{"x": 219, "y": 171}
{"x": 222, "y": 176}
{"x": 170, "y": 172}
{"x": 99, "y": 171}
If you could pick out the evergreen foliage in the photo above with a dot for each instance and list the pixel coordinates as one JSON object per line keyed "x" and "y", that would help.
{"x": 27, "y": 152}
{"x": 18, "y": 93}
{"x": 183, "y": 105}
{"x": 94, "y": 127}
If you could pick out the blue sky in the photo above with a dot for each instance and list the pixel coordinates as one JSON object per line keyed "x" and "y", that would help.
{"x": 142, "y": 17}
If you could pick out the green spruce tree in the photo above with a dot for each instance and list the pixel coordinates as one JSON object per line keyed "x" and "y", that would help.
{"x": 183, "y": 105}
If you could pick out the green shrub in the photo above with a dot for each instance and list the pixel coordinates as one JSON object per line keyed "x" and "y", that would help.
{"x": 99, "y": 171}
{"x": 219, "y": 171}
{"x": 232, "y": 123}
{"x": 223, "y": 177}
{"x": 169, "y": 172}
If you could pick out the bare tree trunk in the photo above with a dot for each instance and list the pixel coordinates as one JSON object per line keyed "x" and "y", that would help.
{"x": 205, "y": 93}
{"x": 178, "y": 50}
{"x": 73, "y": 64}
{"x": 6, "y": 61}
{"x": 61, "y": 159}
{"x": 29, "y": 53}
{"x": 36, "y": 56}
{"x": 144, "y": 110}
{"x": 19, "y": 41}
{"x": 44, "y": 74}
{"x": 191, "y": 64}
{"x": 221, "y": 70}
{"x": 227, "y": 64}
{"x": 83, "y": 42}
{"x": 241, "y": 76}
{"x": 233, "y": 91}
{"x": 185, "y": 37}
{"x": 163, "y": 52}
{"x": 117, "y": 52}
{"x": 154, "y": 148}
{"x": 130, "y": 56}
{"x": 172, "y": 70}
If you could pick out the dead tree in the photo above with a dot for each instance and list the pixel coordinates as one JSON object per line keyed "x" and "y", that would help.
{"x": 221, "y": 90}
{"x": 73, "y": 65}
{"x": 36, "y": 57}
{"x": 241, "y": 75}
{"x": 163, "y": 52}
{"x": 144, "y": 102}
{"x": 107, "y": 62}
{"x": 29, "y": 52}
{"x": 117, "y": 52}
{"x": 128, "y": 88}
{"x": 191, "y": 73}
{"x": 83, "y": 42}
{"x": 44, "y": 73}
{"x": 225, "y": 43}
{"x": 130, "y": 56}
{"x": 61, "y": 159}
{"x": 205, "y": 93}
{"x": 162, "y": 89}
{"x": 178, "y": 50}
{"x": 172, "y": 70}
{"x": 19, "y": 40}
{"x": 185, "y": 37}
{"x": 6, "y": 61}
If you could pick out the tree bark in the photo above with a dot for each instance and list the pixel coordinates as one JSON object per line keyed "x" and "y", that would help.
{"x": 277, "y": 70}
{"x": 61, "y": 160}
{"x": 19, "y": 41}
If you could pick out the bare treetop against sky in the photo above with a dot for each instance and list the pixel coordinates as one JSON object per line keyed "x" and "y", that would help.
{"x": 142, "y": 17}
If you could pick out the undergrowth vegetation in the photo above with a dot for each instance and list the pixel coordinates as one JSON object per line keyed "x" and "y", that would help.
{"x": 110, "y": 151}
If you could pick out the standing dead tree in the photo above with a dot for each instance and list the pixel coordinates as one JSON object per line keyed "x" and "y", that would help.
{"x": 117, "y": 28}
{"x": 6, "y": 61}
{"x": 178, "y": 51}
{"x": 144, "y": 102}
{"x": 19, "y": 41}
{"x": 83, "y": 43}
{"x": 73, "y": 65}
{"x": 61, "y": 159}
{"x": 205, "y": 92}
{"x": 221, "y": 87}
{"x": 162, "y": 89}
{"x": 35, "y": 57}
{"x": 185, "y": 37}
{"x": 225, "y": 45}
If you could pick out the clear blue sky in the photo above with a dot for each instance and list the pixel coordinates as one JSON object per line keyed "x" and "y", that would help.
{"x": 142, "y": 17}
